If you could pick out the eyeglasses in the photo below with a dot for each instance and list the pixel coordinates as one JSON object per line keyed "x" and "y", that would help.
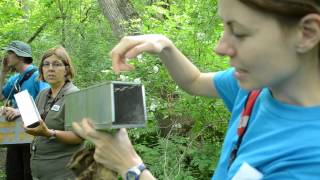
{"x": 54, "y": 64}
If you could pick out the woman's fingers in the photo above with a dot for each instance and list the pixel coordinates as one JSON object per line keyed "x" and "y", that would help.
{"x": 11, "y": 116}
{"x": 131, "y": 46}
{"x": 10, "y": 113}
{"x": 78, "y": 129}
{"x": 118, "y": 53}
{"x": 150, "y": 47}
{"x": 119, "y": 63}
{"x": 6, "y": 111}
{"x": 86, "y": 130}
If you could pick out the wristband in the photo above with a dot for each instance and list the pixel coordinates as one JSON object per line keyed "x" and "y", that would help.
{"x": 135, "y": 172}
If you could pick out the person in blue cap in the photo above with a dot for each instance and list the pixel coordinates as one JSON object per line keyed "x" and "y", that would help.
{"x": 18, "y": 59}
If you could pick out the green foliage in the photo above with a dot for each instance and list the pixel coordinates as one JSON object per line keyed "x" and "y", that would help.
{"x": 184, "y": 133}
{"x": 2, "y": 175}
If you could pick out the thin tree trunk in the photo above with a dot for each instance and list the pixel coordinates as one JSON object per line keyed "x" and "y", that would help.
{"x": 63, "y": 28}
{"x": 24, "y": 6}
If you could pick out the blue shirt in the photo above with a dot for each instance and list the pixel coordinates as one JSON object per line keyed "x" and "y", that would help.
{"x": 282, "y": 140}
{"x": 33, "y": 85}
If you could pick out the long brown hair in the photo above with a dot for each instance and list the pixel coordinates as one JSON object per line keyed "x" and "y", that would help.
{"x": 63, "y": 55}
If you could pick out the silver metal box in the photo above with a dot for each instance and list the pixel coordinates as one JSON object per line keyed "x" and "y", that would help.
{"x": 110, "y": 105}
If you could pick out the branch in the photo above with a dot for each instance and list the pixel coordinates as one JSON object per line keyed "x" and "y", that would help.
{"x": 40, "y": 29}
{"x": 86, "y": 15}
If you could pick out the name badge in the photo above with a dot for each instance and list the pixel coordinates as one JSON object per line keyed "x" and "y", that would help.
{"x": 55, "y": 107}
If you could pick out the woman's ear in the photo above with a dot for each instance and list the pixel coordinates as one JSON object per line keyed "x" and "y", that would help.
{"x": 309, "y": 35}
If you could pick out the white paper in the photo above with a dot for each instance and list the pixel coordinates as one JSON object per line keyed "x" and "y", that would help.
{"x": 27, "y": 108}
{"x": 247, "y": 172}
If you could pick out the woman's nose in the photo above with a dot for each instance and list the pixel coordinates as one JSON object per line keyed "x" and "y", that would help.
{"x": 224, "y": 49}
{"x": 51, "y": 68}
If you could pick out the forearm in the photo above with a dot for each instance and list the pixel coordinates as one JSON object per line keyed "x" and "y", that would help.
{"x": 185, "y": 74}
{"x": 180, "y": 68}
{"x": 67, "y": 137}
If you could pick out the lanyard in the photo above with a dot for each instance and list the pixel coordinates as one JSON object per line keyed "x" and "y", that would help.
{"x": 16, "y": 87}
{"x": 50, "y": 104}
{"x": 245, "y": 117}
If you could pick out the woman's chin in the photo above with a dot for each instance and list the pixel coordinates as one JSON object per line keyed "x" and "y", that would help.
{"x": 51, "y": 81}
{"x": 248, "y": 86}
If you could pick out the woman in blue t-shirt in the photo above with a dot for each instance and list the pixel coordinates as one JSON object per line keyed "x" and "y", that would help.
{"x": 273, "y": 133}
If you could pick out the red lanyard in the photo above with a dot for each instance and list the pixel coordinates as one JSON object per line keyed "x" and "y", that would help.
{"x": 245, "y": 117}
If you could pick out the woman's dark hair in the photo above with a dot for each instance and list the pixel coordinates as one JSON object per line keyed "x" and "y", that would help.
{"x": 63, "y": 55}
{"x": 295, "y": 9}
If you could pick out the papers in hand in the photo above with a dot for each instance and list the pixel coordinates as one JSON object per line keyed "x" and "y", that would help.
{"x": 28, "y": 109}
{"x": 247, "y": 172}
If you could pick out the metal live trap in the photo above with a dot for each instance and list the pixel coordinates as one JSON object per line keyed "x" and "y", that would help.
{"x": 110, "y": 105}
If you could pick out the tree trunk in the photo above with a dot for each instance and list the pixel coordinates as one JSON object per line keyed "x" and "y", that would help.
{"x": 119, "y": 13}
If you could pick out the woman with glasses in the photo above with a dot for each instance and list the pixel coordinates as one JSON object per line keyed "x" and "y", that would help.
{"x": 272, "y": 90}
{"x": 52, "y": 146}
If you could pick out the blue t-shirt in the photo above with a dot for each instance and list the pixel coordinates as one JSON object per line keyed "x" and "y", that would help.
{"x": 33, "y": 85}
{"x": 282, "y": 141}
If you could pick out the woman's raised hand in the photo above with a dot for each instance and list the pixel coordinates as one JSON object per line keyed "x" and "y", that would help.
{"x": 131, "y": 46}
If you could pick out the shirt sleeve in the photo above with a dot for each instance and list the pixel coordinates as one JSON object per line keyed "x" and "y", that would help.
{"x": 39, "y": 84}
{"x": 227, "y": 87}
{"x": 43, "y": 85}
{"x": 9, "y": 85}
